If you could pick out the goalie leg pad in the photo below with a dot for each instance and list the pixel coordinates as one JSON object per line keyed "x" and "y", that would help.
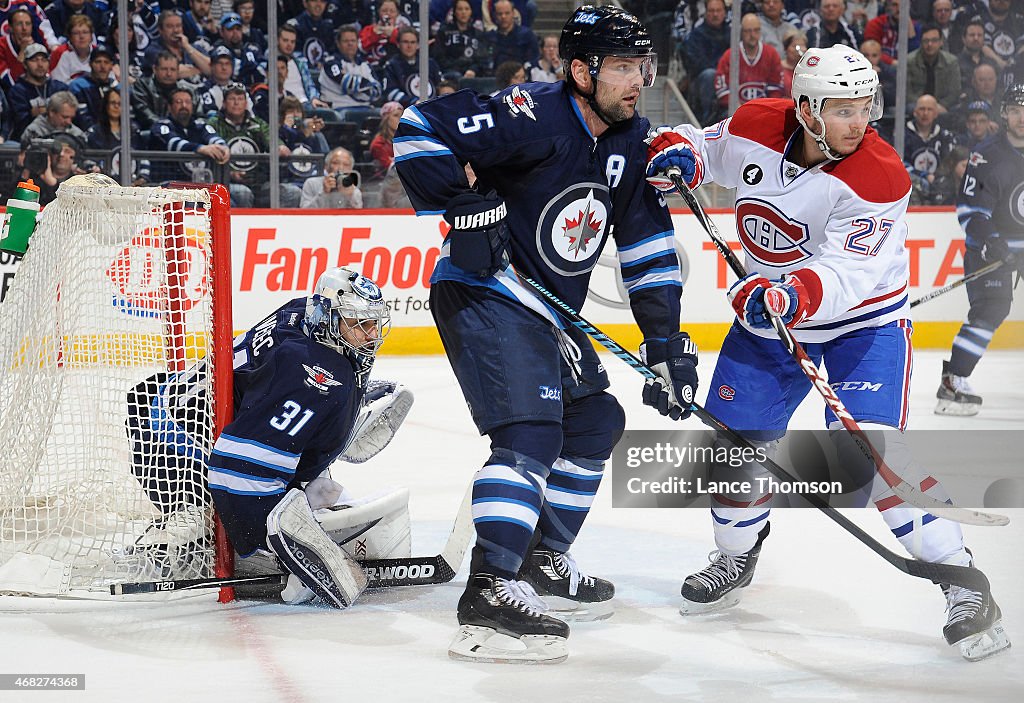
{"x": 373, "y": 527}
{"x": 385, "y": 407}
{"x": 305, "y": 550}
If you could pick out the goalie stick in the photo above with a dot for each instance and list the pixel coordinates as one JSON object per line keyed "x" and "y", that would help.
{"x": 965, "y": 576}
{"x": 381, "y": 573}
{"x": 905, "y": 491}
{"x": 984, "y": 271}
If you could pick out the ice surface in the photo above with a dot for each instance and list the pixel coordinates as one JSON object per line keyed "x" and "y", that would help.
{"x": 825, "y": 619}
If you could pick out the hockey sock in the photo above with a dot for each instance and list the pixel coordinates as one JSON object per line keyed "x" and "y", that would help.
{"x": 969, "y": 346}
{"x": 737, "y": 518}
{"x": 570, "y": 492}
{"x": 923, "y": 535}
{"x": 507, "y": 496}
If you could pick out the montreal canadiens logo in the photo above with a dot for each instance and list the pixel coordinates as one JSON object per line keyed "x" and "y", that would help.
{"x": 768, "y": 236}
{"x": 726, "y": 393}
{"x": 572, "y": 228}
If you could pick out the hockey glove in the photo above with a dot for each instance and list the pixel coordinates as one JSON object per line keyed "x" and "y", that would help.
{"x": 756, "y": 300}
{"x": 479, "y": 238}
{"x": 995, "y": 249}
{"x": 675, "y": 361}
{"x": 667, "y": 148}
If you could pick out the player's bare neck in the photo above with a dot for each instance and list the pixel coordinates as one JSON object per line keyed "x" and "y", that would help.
{"x": 806, "y": 153}
{"x": 595, "y": 124}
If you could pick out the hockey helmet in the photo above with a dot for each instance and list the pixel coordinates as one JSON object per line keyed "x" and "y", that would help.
{"x": 835, "y": 72}
{"x": 1014, "y": 95}
{"x": 593, "y": 33}
{"x": 347, "y": 312}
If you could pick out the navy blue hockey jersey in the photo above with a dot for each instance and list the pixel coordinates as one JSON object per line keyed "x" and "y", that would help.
{"x": 991, "y": 198}
{"x": 295, "y": 403}
{"x": 565, "y": 191}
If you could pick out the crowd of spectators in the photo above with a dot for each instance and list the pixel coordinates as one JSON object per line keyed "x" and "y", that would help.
{"x": 198, "y": 81}
{"x": 198, "y": 85}
{"x": 961, "y": 56}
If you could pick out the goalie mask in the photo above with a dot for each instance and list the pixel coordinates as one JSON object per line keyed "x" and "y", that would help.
{"x": 347, "y": 313}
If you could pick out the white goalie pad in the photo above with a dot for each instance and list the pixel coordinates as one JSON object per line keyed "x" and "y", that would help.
{"x": 371, "y": 527}
{"x": 305, "y": 550}
{"x": 385, "y": 406}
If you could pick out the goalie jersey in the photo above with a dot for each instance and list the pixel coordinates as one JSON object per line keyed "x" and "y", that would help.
{"x": 566, "y": 192}
{"x": 295, "y": 404}
{"x": 843, "y": 221}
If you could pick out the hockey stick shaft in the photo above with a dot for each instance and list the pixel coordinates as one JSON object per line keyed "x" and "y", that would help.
{"x": 956, "y": 284}
{"x": 381, "y": 573}
{"x": 965, "y": 576}
{"x": 901, "y": 488}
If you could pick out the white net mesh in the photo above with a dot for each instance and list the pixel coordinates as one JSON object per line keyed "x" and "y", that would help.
{"x": 104, "y": 399}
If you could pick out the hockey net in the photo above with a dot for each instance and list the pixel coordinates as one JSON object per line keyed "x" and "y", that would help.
{"x": 123, "y": 293}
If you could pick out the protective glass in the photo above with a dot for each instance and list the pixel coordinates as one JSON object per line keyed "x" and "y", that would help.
{"x": 853, "y": 112}
{"x": 629, "y": 71}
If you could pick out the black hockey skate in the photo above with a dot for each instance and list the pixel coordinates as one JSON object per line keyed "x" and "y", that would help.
{"x": 720, "y": 585}
{"x": 502, "y": 621}
{"x": 955, "y": 396}
{"x": 569, "y": 594}
{"x": 974, "y": 623}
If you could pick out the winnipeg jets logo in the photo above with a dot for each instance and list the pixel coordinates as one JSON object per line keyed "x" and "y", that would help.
{"x": 572, "y": 227}
{"x": 582, "y": 230}
{"x": 768, "y": 235}
{"x": 365, "y": 288}
{"x": 520, "y": 101}
{"x": 319, "y": 378}
{"x": 976, "y": 159}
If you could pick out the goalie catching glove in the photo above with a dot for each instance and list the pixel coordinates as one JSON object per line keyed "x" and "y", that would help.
{"x": 385, "y": 407}
{"x": 675, "y": 361}
{"x": 479, "y": 238}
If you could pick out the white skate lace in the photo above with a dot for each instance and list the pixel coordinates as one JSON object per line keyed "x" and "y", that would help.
{"x": 520, "y": 595}
{"x": 962, "y": 604}
{"x": 566, "y": 566}
{"x": 723, "y": 569}
{"x": 959, "y": 383}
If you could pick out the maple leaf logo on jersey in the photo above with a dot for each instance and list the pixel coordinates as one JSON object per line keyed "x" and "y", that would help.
{"x": 582, "y": 230}
{"x": 573, "y": 228}
{"x": 319, "y": 378}
{"x": 520, "y": 101}
{"x": 768, "y": 235}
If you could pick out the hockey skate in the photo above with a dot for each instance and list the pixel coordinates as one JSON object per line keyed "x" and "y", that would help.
{"x": 720, "y": 584}
{"x": 974, "y": 623}
{"x": 502, "y": 621}
{"x": 955, "y": 395}
{"x": 569, "y": 595}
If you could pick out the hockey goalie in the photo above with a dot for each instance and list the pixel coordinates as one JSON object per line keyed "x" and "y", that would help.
{"x": 303, "y": 398}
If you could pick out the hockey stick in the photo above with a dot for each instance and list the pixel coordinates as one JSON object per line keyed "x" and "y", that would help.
{"x": 905, "y": 491}
{"x": 966, "y": 576}
{"x": 381, "y": 573}
{"x": 956, "y": 284}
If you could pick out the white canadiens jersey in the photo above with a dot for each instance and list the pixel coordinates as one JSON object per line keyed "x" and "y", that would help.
{"x": 840, "y": 224}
